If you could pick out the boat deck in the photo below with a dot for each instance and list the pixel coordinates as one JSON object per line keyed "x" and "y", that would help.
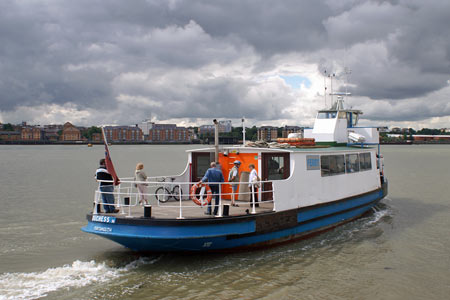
{"x": 171, "y": 210}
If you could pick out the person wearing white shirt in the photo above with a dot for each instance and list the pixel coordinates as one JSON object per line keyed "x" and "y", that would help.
{"x": 253, "y": 182}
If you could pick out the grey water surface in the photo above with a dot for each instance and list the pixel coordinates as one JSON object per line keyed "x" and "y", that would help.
{"x": 399, "y": 251}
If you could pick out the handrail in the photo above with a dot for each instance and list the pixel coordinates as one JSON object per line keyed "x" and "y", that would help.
{"x": 126, "y": 189}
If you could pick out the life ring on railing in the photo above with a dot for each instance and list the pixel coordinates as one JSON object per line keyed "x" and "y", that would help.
{"x": 195, "y": 197}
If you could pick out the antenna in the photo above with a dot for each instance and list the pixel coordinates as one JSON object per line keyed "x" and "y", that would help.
{"x": 347, "y": 72}
{"x": 331, "y": 83}
{"x": 243, "y": 131}
{"x": 325, "y": 86}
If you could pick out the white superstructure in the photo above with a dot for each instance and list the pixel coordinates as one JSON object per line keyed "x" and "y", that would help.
{"x": 339, "y": 125}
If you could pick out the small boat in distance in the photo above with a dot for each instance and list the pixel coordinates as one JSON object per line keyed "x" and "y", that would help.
{"x": 303, "y": 190}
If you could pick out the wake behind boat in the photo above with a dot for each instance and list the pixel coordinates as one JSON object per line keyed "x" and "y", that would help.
{"x": 308, "y": 185}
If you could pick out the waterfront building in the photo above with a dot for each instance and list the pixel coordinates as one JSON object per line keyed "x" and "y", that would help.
{"x": 224, "y": 126}
{"x": 123, "y": 133}
{"x": 96, "y": 137}
{"x": 52, "y": 132}
{"x": 206, "y": 130}
{"x": 192, "y": 134}
{"x": 70, "y": 133}
{"x": 146, "y": 126}
{"x": 291, "y": 129}
{"x": 267, "y": 133}
{"x": 10, "y": 135}
{"x": 31, "y": 133}
{"x": 168, "y": 133}
{"x": 429, "y": 137}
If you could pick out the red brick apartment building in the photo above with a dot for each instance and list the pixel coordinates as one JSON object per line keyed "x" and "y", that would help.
{"x": 10, "y": 135}
{"x": 168, "y": 133}
{"x": 123, "y": 133}
{"x": 70, "y": 133}
{"x": 423, "y": 137}
{"x": 291, "y": 129}
{"x": 267, "y": 133}
{"x": 31, "y": 134}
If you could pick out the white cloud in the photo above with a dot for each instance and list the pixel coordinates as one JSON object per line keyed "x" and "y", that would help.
{"x": 101, "y": 63}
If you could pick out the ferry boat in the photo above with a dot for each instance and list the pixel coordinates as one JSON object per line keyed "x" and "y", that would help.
{"x": 304, "y": 190}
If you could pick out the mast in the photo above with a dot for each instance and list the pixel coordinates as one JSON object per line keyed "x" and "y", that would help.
{"x": 331, "y": 83}
{"x": 216, "y": 140}
{"x": 325, "y": 87}
{"x": 243, "y": 132}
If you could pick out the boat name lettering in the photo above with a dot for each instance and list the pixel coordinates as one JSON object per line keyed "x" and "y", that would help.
{"x": 102, "y": 229}
{"x": 312, "y": 162}
{"x": 104, "y": 219}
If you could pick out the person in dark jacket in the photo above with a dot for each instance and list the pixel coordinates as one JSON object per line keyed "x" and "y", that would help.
{"x": 213, "y": 175}
{"x": 106, "y": 188}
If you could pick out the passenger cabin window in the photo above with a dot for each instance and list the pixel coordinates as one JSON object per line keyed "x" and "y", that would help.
{"x": 352, "y": 163}
{"x": 339, "y": 164}
{"x": 332, "y": 165}
{"x": 365, "y": 162}
{"x": 325, "y": 165}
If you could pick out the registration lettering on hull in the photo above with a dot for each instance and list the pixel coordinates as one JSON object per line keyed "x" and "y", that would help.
{"x": 104, "y": 219}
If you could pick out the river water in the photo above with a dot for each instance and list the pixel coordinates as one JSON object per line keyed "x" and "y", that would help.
{"x": 400, "y": 251}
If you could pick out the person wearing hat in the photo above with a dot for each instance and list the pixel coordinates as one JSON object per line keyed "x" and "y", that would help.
{"x": 233, "y": 177}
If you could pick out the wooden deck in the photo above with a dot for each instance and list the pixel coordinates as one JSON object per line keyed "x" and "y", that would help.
{"x": 171, "y": 210}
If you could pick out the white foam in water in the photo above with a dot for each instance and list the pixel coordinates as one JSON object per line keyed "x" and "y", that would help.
{"x": 78, "y": 274}
{"x": 378, "y": 215}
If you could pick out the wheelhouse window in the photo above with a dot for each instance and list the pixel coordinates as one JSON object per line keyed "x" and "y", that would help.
{"x": 352, "y": 163}
{"x": 365, "y": 161}
{"x": 326, "y": 115}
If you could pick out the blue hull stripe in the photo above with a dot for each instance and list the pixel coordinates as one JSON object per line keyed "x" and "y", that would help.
{"x": 214, "y": 236}
{"x": 170, "y": 232}
{"x": 336, "y": 207}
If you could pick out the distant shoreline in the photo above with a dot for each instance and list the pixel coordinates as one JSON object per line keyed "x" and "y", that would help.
{"x": 31, "y": 143}
{"x": 85, "y": 143}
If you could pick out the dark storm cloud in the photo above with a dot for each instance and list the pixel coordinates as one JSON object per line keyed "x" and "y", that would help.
{"x": 59, "y": 52}
{"x": 272, "y": 27}
{"x": 398, "y": 50}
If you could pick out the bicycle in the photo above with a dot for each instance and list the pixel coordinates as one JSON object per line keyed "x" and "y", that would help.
{"x": 163, "y": 194}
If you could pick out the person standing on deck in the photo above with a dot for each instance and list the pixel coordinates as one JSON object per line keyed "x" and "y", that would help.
{"x": 233, "y": 177}
{"x": 140, "y": 175}
{"x": 214, "y": 176}
{"x": 106, "y": 188}
{"x": 253, "y": 183}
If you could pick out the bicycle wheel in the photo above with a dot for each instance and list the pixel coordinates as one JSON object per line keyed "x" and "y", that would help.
{"x": 162, "y": 194}
{"x": 176, "y": 192}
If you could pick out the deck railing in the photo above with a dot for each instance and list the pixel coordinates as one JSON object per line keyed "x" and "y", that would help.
{"x": 167, "y": 193}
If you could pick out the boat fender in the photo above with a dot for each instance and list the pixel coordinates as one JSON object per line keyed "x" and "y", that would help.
{"x": 198, "y": 197}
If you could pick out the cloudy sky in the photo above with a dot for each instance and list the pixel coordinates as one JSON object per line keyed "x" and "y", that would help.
{"x": 95, "y": 62}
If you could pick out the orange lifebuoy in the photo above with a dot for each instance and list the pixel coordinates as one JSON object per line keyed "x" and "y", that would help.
{"x": 194, "y": 194}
